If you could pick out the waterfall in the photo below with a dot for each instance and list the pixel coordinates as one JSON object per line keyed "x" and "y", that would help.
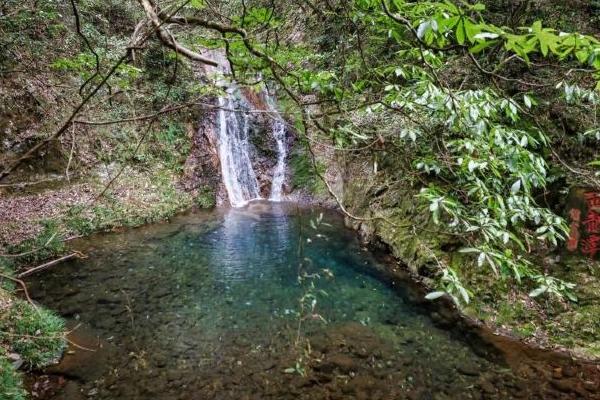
{"x": 238, "y": 174}
{"x": 233, "y": 129}
{"x": 279, "y": 135}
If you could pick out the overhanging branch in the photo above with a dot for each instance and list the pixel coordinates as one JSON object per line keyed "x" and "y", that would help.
{"x": 168, "y": 40}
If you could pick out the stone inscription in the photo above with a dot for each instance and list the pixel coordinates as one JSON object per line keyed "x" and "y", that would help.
{"x": 584, "y": 218}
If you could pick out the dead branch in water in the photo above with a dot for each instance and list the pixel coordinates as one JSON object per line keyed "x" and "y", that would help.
{"x": 50, "y": 263}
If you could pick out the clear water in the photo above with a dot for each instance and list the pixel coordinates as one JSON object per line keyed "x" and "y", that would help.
{"x": 208, "y": 307}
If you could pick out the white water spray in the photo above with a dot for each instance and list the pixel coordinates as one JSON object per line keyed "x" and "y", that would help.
{"x": 238, "y": 174}
{"x": 279, "y": 135}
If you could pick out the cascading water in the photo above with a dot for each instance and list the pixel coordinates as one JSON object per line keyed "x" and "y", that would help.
{"x": 238, "y": 174}
{"x": 232, "y": 136}
{"x": 279, "y": 135}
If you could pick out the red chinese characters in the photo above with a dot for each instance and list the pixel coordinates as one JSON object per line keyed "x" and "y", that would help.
{"x": 592, "y": 222}
{"x": 592, "y": 200}
{"x": 590, "y": 246}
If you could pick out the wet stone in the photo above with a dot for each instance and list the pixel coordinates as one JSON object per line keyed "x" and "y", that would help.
{"x": 468, "y": 369}
{"x": 592, "y": 387}
{"x": 562, "y": 385}
{"x": 569, "y": 371}
{"x": 487, "y": 387}
{"x": 340, "y": 362}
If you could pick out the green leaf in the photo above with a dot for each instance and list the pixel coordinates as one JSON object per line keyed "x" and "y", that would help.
{"x": 434, "y": 295}
{"x": 197, "y": 4}
{"x": 541, "y": 290}
{"x": 582, "y": 56}
{"x": 464, "y": 294}
{"x": 479, "y": 47}
{"x": 514, "y": 189}
{"x": 460, "y": 32}
{"x": 471, "y": 30}
{"x": 571, "y": 296}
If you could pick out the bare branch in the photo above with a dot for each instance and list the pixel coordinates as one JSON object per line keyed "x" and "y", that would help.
{"x": 89, "y": 46}
{"x": 165, "y": 36}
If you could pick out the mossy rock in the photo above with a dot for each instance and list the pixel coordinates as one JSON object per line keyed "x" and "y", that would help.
{"x": 206, "y": 198}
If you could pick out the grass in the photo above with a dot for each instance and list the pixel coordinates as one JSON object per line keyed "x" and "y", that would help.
{"x": 11, "y": 387}
{"x": 137, "y": 199}
{"x": 48, "y": 243}
{"x": 36, "y": 334}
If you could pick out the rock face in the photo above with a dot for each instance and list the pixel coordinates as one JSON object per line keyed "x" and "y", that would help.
{"x": 202, "y": 165}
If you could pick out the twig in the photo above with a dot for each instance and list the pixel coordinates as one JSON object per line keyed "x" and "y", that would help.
{"x": 137, "y": 147}
{"x": 504, "y": 78}
{"x": 31, "y": 251}
{"x": 23, "y": 184}
{"x": 70, "y": 154}
{"x": 24, "y": 286}
{"x": 89, "y": 46}
{"x": 50, "y": 263}
{"x": 165, "y": 36}
{"x": 168, "y": 110}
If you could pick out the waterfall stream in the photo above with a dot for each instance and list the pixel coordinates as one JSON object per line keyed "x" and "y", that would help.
{"x": 279, "y": 135}
{"x": 234, "y": 148}
{"x": 236, "y": 167}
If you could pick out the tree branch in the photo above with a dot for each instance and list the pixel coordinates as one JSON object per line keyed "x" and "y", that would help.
{"x": 168, "y": 40}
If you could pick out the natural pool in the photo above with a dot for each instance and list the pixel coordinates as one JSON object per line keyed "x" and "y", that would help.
{"x": 266, "y": 302}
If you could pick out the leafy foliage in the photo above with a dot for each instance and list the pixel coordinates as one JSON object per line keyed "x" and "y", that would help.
{"x": 479, "y": 151}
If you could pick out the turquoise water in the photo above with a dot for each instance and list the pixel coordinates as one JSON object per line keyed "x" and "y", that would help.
{"x": 271, "y": 301}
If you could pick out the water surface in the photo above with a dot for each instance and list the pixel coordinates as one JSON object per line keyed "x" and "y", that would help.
{"x": 266, "y": 302}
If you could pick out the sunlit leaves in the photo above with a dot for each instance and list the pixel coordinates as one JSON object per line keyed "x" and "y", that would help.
{"x": 444, "y": 23}
{"x": 197, "y": 4}
{"x": 554, "y": 287}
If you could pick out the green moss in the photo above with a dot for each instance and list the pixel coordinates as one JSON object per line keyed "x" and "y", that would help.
{"x": 510, "y": 312}
{"x": 577, "y": 328}
{"x": 303, "y": 172}
{"x": 206, "y": 198}
{"x": 36, "y": 334}
{"x": 161, "y": 202}
{"x": 76, "y": 221}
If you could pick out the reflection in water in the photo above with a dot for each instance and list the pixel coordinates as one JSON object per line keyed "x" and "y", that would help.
{"x": 206, "y": 307}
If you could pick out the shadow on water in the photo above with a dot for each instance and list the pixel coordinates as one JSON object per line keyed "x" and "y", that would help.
{"x": 207, "y": 307}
